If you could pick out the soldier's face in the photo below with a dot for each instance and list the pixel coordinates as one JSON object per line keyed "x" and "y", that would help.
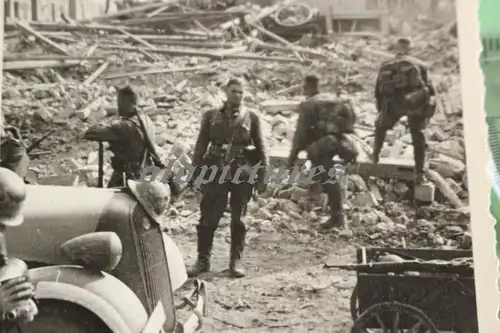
{"x": 309, "y": 88}
{"x": 341, "y": 120}
{"x": 234, "y": 94}
{"x": 125, "y": 105}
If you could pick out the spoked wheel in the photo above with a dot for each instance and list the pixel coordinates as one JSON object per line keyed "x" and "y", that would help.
{"x": 393, "y": 317}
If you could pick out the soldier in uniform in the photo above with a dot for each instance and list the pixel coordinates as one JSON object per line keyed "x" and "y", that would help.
{"x": 126, "y": 139}
{"x": 224, "y": 135}
{"x": 323, "y": 122}
{"x": 12, "y": 196}
{"x": 13, "y": 155}
{"x": 403, "y": 88}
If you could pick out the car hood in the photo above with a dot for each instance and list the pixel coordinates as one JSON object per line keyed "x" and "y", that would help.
{"x": 53, "y": 215}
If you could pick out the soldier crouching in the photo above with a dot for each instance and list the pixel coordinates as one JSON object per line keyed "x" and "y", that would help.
{"x": 323, "y": 122}
{"x": 228, "y": 131}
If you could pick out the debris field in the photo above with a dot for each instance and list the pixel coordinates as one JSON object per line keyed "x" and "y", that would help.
{"x": 62, "y": 77}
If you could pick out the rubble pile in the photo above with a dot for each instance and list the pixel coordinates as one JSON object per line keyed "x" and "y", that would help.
{"x": 63, "y": 76}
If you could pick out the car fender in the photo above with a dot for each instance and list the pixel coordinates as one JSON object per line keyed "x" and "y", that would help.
{"x": 101, "y": 293}
{"x": 176, "y": 266}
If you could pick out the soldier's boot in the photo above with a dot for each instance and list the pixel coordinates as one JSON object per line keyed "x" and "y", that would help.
{"x": 378, "y": 143}
{"x": 419, "y": 157}
{"x": 334, "y": 221}
{"x": 238, "y": 233}
{"x": 205, "y": 242}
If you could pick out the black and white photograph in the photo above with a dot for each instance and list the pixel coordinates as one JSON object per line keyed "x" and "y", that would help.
{"x": 234, "y": 166}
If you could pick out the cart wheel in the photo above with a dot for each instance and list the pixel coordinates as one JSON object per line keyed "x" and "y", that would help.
{"x": 421, "y": 323}
{"x": 354, "y": 304}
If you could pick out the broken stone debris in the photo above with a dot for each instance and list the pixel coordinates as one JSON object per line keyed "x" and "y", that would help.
{"x": 63, "y": 80}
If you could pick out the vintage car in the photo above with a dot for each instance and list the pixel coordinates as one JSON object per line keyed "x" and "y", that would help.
{"x": 100, "y": 263}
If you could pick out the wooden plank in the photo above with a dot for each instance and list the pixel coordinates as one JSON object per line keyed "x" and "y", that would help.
{"x": 61, "y": 180}
{"x": 25, "y": 27}
{"x": 375, "y": 14}
{"x": 97, "y": 73}
{"x": 21, "y": 65}
{"x": 133, "y": 10}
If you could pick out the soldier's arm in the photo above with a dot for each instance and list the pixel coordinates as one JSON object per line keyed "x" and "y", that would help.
{"x": 299, "y": 140}
{"x": 377, "y": 91}
{"x": 117, "y": 130}
{"x": 428, "y": 81}
{"x": 258, "y": 139}
{"x": 203, "y": 139}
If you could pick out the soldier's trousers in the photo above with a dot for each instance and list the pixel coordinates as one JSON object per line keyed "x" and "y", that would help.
{"x": 214, "y": 202}
{"x": 332, "y": 188}
{"x": 417, "y": 124}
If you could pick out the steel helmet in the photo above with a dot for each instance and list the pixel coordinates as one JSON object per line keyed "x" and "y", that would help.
{"x": 154, "y": 196}
{"x": 12, "y": 197}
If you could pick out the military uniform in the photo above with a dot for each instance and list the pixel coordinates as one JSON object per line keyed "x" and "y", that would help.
{"x": 127, "y": 144}
{"x": 408, "y": 94}
{"x": 13, "y": 155}
{"x": 323, "y": 121}
{"x": 227, "y": 133}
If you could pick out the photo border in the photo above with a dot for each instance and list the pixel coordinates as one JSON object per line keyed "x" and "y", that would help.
{"x": 475, "y": 134}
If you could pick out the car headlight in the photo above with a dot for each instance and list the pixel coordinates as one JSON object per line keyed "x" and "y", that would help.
{"x": 98, "y": 250}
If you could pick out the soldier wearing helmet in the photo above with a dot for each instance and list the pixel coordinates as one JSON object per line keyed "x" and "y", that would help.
{"x": 12, "y": 196}
{"x": 323, "y": 122}
{"x": 224, "y": 136}
{"x": 311, "y": 85}
{"x": 126, "y": 139}
{"x": 403, "y": 88}
{"x": 13, "y": 155}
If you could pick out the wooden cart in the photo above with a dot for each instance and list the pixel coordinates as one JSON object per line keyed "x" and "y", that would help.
{"x": 430, "y": 291}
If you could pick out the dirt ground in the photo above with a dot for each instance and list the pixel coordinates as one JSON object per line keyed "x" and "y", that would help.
{"x": 286, "y": 288}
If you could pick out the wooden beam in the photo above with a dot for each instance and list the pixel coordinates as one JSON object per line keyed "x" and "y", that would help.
{"x": 154, "y": 71}
{"x": 97, "y": 73}
{"x": 133, "y": 10}
{"x": 26, "y": 28}
{"x": 21, "y": 65}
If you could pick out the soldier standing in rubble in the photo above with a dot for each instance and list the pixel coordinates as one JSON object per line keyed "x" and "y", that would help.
{"x": 13, "y": 155}
{"x": 403, "y": 88}
{"x": 323, "y": 122}
{"x": 126, "y": 139}
{"x": 229, "y": 131}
